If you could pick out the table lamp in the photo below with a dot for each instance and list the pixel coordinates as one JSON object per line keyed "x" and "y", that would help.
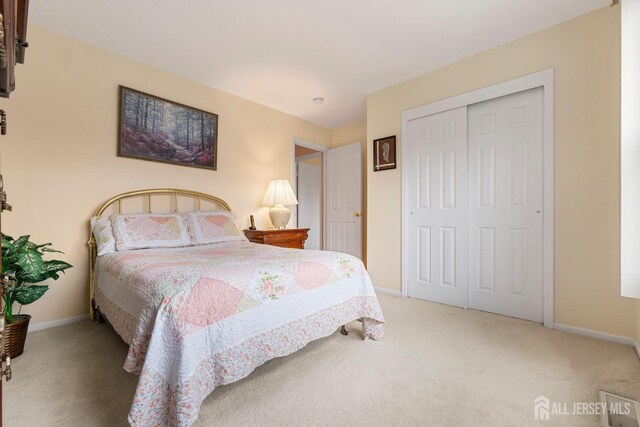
{"x": 279, "y": 194}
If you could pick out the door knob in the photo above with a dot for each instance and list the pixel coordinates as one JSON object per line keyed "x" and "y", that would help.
{"x": 357, "y": 214}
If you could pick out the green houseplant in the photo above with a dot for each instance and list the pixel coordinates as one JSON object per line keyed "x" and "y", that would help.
{"x": 22, "y": 267}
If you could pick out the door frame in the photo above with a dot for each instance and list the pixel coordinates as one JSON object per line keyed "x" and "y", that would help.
{"x": 542, "y": 79}
{"x": 294, "y": 180}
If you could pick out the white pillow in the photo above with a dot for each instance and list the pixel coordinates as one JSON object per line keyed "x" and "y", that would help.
{"x": 208, "y": 227}
{"x": 103, "y": 235}
{"x": 142, "y": 231}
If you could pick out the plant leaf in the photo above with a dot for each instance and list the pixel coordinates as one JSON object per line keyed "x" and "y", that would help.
{"x": 51, "y": 250}
{"x": 28, "y": 294}
{"x": 21, "y": 241}
{"x": 31, "y": 263}
{"x": 55, "y": 265}
{"x": 43, "y": 275}
{"x": 7, "y": 244}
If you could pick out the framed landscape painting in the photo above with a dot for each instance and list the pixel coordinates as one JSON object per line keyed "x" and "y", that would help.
{"x": 152, "y": 128}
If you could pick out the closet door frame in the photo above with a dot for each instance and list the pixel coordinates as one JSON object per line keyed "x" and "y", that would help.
{"x": 542, "y": 79}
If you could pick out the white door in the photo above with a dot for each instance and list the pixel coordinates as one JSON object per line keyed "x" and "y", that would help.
{"x": 505, "y": 205}
{"x": 344, "y": 199}
{"x": 437, "y": 229}
{"x": 309, "y": 201}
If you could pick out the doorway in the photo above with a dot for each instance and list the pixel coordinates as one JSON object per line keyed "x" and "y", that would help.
{"x": 309, "y": 190}
{"x": 478, "y": 205}
{"x": 328, "y": 185}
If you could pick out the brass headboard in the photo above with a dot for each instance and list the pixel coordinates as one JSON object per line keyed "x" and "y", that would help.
{"x": 148, "y": 196}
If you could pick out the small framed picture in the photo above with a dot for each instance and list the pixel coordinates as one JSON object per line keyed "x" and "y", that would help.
{"x": 384, "y": 153}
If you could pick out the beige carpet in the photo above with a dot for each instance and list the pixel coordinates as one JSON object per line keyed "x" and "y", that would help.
{"x": 436, "y": 366}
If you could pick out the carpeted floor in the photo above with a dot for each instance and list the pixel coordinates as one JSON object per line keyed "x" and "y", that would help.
{"x": 436, "y": 366}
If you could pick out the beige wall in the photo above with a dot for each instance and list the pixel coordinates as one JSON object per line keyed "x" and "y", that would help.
{"x": 59, "y": 157}
{"x": 350, "y": 133}
{"x": 638, "y": 324}
{"x": 585, "y": 54}
{"x": 347, "y": 135}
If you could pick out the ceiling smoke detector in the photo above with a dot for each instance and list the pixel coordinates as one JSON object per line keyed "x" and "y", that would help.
{"x": 318, "y": 100}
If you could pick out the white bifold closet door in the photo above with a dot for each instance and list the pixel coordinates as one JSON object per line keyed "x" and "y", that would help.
{"x": 437, "y": 265}
{"x": 505, "y": 205}
{"x": 475, "y": 202}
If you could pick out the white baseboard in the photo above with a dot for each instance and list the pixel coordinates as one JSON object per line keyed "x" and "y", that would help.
{"x": 56, "y": 323}
{"x": 388, "y": 291}
{"x": 596, "y": 334}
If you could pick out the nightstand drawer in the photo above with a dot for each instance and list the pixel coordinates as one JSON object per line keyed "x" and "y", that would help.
{"x": 282, "y": 237}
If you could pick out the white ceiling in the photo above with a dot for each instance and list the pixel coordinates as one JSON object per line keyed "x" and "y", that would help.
{"x": 284, "y": 53}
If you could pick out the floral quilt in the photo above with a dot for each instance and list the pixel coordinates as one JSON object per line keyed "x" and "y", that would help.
{"x": 199, "y": 317}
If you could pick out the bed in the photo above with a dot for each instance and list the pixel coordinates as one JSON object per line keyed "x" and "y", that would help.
{"x": 203, "y": 315}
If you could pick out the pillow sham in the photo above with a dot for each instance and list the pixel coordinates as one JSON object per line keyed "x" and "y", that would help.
{"x": 103, "y": 235}
{"x": 145, "y": 231}
{"x": 212, "y": 227}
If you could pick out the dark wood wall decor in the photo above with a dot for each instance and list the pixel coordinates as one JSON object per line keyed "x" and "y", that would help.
{"x": 13, "y": 41}
{"x": 384, "y": 153}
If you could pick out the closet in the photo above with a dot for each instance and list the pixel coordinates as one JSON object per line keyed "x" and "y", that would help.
{"x": 474, "y": 187}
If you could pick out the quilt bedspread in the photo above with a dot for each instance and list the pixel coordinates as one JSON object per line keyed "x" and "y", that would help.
{"x": 199, "y": 317}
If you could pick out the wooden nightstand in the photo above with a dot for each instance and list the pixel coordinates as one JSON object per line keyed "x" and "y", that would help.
{"x": 286, "y": 238}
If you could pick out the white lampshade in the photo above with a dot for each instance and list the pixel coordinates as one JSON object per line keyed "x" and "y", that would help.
{"x": 279, "y": 192}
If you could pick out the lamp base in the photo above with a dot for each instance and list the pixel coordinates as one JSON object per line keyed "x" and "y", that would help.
{"x": 279, "y": 216}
